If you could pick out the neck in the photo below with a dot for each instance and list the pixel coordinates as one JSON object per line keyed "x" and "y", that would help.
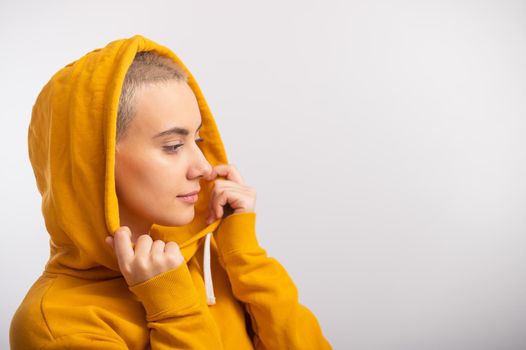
{"x": 138, "y": 226}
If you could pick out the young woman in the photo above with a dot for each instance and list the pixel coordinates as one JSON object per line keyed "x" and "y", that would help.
{"x": 152, "y": 231}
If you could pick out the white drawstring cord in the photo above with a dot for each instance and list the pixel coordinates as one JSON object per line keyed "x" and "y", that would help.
{"x": 209, "y": 286}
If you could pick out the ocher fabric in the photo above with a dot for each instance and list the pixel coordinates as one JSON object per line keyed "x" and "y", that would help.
{"x": 81, "y": 300}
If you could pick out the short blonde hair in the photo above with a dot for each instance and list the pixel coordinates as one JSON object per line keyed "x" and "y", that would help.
{"x": 147, "y": 67}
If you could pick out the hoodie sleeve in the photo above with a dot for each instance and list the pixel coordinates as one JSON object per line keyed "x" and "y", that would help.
{"x": 175, "y": 316}
{"x": 264, "y": 286}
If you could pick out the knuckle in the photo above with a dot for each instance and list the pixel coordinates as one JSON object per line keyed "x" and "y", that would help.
{"x": 172, "y": 245}
{"x": 175, "y": 259}
{"x": 157, "y": 259}
{"x": 141, "y": 265}
{"x": 171, "y": 258}
{"x": 218, "y": 183}
{"x": 122, "y": 230}
{"x": 159, "y": 242}
{"x": 144, "y": 238}
{"x": 119, "y": 234}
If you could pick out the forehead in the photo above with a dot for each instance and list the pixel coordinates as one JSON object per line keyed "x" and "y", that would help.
{"x": 164, "y": 105}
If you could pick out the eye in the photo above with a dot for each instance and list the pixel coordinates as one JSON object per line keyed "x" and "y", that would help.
{"x": 174, "y": 148}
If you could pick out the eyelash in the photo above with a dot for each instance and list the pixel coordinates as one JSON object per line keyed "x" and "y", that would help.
{"x": 174, "y": 148}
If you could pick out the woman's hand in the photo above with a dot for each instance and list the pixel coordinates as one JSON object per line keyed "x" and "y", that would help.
{"x": 149, "y": 258}
{"x": 232, "y": 191}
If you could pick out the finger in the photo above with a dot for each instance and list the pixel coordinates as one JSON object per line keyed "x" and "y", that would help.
{"x": 157, "y": 248}
{"x": 234, "y": 196}
{"x": 215, "y": 209}
{"x": 233, "y": 199}
{"x": 172, "y": 248}
{"x": 143, "y": 245}
{"x": 220, "y": 201}
{"x": 122, "y": 244}
{"x": 209, "y": 209}
{"x": 222, "y": 183}
{"x": 219, "y": 186}
{"x": 228, "y": 171}
{"x": 209, "y": 217}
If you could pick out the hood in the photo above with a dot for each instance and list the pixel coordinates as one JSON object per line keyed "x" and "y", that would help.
{"x": 71, "y": 141}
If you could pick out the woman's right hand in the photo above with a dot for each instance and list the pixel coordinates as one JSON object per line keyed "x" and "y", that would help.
{"x": 149, "y": 258}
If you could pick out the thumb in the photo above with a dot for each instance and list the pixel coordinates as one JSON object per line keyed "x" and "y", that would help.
{"x": 123, "y": 244}
{"x": 109, "y": 241}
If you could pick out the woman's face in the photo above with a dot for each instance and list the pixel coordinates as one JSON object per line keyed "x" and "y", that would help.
{"x": 152, "y": 170}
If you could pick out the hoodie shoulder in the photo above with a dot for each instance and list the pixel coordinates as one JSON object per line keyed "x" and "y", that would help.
{"x": 28, "y": 327}
{"x": 64, "y": 310}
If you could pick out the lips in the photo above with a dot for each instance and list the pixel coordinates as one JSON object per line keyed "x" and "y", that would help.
{"x": 189, "y": 194}
{"x": 189, "y": 198}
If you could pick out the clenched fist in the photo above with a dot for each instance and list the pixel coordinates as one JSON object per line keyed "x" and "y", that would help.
{"x": 149, "y": 258}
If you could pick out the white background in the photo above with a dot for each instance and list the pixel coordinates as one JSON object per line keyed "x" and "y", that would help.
{"x": 386, "y": 140}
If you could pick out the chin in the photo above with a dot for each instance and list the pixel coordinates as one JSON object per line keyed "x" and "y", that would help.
{"x": 177, "y": 218}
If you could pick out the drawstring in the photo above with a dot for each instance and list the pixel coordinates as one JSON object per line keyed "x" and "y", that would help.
{"x": 210, "y": 298}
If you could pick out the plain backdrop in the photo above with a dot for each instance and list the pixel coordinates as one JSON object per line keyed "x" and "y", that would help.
{"x": 385, "y": 139}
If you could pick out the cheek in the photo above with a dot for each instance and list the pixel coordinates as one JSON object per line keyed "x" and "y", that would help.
{"x": 151, "y": 177}
{"x": 164, "y": 173}
{"x": 132, "y": 180}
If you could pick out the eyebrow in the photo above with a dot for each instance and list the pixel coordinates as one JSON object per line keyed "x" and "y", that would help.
{"x": 176, "y": 130}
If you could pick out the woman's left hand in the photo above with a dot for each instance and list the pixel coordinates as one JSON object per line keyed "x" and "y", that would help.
{"x": 232, "y": 190}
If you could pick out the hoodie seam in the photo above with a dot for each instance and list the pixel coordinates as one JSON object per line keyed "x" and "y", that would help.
{"x": 66, "y": 336}
{"x": 42, "y": 308}
{"x": 238, "y": 251}
{"x": 63, "y": 274}
{"x": 159, "y": 315}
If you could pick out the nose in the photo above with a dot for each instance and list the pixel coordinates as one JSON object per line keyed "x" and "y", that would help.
{"x": 200, "y": 165}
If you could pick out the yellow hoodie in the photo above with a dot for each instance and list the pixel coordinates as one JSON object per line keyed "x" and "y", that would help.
{"x": 229, "y": 294}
